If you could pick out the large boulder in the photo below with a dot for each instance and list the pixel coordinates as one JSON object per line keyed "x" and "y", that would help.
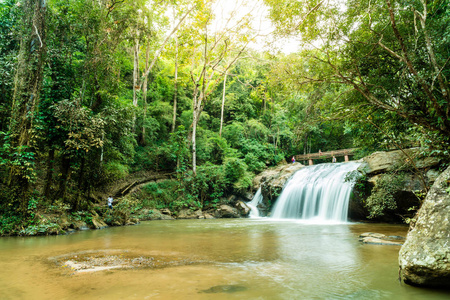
{"x": 272, "y": 182}
{"x": 189, "y": 214}
{"x": 98, "y": 223}
{"x": 226, "y": 211}
{"x": 276, "y": 175}
{"x": 381, "y": 162}
{"x": 242, "y": 208}
{"x": 424, "y": 258}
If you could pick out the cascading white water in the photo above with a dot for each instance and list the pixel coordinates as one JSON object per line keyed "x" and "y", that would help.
{"x": 257, "y": 198}
{"x": 317, "y": 193}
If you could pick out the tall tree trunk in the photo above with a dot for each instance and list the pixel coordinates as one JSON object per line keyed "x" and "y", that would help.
{"x": 27, "y": 85}
{"x": 175, "y": 92}
{"x": 223, "y": 105}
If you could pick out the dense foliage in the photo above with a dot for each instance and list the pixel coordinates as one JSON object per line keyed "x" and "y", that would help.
{"x": 93, "y": 91}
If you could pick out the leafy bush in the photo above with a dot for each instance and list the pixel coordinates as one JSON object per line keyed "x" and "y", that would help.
{"x": 84, "y": 216}
{"x": 9, "y": 224}
{"x": 254, "y": 164}
{"x": 115, "y": 170}
{"x": 361, "y": 187}
{"x": 205, "y": 188}
{"x": 58, "y": 207}
{"x": 235, "y": 168}
{"x": 41, "y": 229}
{"x": 383, "y": 194}
{"x": 243, "y": 183}
{"x": 123, "y": 211}
{"x": 159, "y": 194}
{"x": 156, "y": 157}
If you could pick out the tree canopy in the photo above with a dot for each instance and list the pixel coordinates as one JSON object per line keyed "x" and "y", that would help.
{"x": 93, "y": 91}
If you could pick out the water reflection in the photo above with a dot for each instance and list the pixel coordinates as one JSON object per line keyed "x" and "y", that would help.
{"x": 231, "y": 259}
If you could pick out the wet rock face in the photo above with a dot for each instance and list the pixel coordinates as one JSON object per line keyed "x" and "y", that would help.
{"x": 272, "y": 182}
{"x": 424, "y": 259}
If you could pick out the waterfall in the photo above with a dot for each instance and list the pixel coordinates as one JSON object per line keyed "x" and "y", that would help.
{"x": 257, "y": 198}
{"x": 317, "y": 193}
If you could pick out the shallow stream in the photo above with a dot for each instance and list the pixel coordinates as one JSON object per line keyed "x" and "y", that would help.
{"x": 207, "y": 259}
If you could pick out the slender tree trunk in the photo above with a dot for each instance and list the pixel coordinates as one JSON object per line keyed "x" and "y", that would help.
{"x": 437, "y": 68}
{"x": 175, "y": 93}
{"x": 194, "y": 134}
{"x": 144, "y": 94}
{"x": 264, "y": 102}
{"x": 440, "y": 111}
{"x": 136, "y": 86}
{"x": 65, "y": 170}
{"x": 158, "y": 52}
{"x": 223, "y": 105}
{"x": 49, "y": 176}
{"x": 80, "y": 184}
{"x": 102, "y": 150}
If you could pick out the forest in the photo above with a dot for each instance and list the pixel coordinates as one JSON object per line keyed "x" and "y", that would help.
{"x": 94, "y": 91}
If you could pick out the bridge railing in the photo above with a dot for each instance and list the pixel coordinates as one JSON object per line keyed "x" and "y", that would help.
{"x": 326, "y": 154}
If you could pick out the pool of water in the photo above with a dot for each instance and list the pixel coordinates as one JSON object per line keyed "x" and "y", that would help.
{"x": 211, "y": 259}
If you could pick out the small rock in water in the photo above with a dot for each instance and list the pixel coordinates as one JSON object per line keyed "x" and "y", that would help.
{"x": 381, "y": 239}
{"x": 225, "y": 289}
{"x": 372, "y": 234}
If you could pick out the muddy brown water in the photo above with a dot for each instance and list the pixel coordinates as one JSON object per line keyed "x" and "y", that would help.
{"x": 207, "y": 259}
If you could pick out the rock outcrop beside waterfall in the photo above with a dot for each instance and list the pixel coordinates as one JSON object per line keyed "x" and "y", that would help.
{"x": 415, "y": 171}
{"x": 272, "y": 182}
{"x": 424, "y": 259}
{"x": 381, "y": 162}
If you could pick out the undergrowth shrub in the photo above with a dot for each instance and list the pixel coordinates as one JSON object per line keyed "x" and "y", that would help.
{"x": 383, "y": 193}
{"x": 159, "y": 194}
{"x": 126, "y": 209}
{"x": 205, "y": 189}
{"x": 114, "y": 170}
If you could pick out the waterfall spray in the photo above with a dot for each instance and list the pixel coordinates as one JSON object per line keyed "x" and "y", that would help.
{"x": 257, "y": 198}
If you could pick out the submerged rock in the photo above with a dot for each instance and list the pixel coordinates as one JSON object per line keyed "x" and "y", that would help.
{"x": 101, "y": 260}
{"x": 424, "y": 259}
{"x": 381, "y": 239}
{"x": 225, "y": 289}
{"x": 372, "y": 234}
